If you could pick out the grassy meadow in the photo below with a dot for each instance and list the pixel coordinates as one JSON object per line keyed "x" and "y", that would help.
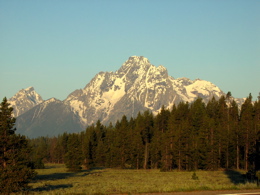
{"x": 55, "y": 179}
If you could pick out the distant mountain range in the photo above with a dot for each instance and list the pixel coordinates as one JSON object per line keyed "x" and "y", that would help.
{"x": 136, "y": 86}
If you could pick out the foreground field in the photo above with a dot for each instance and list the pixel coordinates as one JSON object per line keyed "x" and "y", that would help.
{"x": 56, "y": 180}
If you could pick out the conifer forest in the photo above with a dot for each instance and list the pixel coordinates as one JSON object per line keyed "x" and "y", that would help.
{"x": 190, "y": 136}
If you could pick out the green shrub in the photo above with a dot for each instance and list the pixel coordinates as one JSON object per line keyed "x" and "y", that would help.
{"x": 194, "y": 176}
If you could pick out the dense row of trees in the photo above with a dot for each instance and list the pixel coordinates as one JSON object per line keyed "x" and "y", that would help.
{"x": 15, "y": 165}
{"x": 188, "y": 137}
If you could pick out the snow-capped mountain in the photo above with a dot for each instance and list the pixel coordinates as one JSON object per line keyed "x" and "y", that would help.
{"x": 49, "y": 118}
{"x": 135, "y": 87}
{"x": 24, "y": 100}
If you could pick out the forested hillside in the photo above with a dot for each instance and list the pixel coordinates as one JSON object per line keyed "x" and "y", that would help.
{"x": 190, "y": 136}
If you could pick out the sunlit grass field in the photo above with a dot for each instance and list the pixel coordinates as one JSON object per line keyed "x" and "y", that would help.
{"x": 56, "y": 180}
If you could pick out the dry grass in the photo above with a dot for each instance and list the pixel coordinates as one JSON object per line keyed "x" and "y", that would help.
{"x": 55, "y": 180}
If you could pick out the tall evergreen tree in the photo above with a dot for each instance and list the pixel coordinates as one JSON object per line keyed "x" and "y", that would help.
{"x": 15, "y": 171}
{"x": 197, "y": 119}
{"x": 74, "y": 157}
{"x": 223, "y": 132}
{"x": 161, "y": 124}
{"x": 212, "y": 124}
{"x": 246, "y": 123}
{"x": 122, "y": 141}
{"x": 100, "y": 156}
{"x": 88, "y": 146}
{"x": 110, "y": 146}
{"x": 178, "y": 133}
{"x": 136, "y": 145}
{"x": 144, "y": 123}
{"x": 257, "y": 133}
{"x": 235, "y": 136}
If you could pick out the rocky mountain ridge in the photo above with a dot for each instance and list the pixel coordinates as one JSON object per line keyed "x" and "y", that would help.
{"x": 51, "y": 117}
{"x": 24, "y": 100}
{"x": 136, "y": 86}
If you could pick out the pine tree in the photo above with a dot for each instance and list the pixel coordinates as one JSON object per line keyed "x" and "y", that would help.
{"x": 123, "y": 140}
{"x": 115, "y": 146}
{"x": 257, "y": 133}
{"x": 235, "y": 134}
{"x": 74, "y": 157}
{"x": 212, "y": 123}
{"x": 136, "y": 145}
{"x": 223, "y": 132}
{"x": 177, "y": 130}
{"x": 35, "y": 156}
{"x": 100, "y": 157}
{"x": 54, "y": 150}
{"x": 43, "y": 148}
{"x": 109, "y": 146}
{"x": 144, "y": 124}
{"x": 156, "y": 148}
{"x": 15, "y": 171}
{"x": 197, "y": 119}
{"x": 246, "y": 123}
{"x": 88, "y": 147}
{"x": 161, "y": 124}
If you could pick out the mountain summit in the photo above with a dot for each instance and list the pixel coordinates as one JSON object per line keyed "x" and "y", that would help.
{"x": 135, "y": 87}
{"x": 24, "y": 100}
{"x": 136, "y": 61}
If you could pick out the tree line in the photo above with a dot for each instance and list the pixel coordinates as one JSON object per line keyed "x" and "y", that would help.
{"x": 190, "y": 136}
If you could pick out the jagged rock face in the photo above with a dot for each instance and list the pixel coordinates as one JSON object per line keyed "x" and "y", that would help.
{"x": 136, "y": 86}
{"x": 50, "y": 118}
{"x": 24, "y": 100}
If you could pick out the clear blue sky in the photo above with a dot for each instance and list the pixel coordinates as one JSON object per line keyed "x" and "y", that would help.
{"x": 58, "y": 46}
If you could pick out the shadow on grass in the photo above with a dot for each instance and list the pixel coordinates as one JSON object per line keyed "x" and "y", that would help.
{"x": 51, "y": 187}
{"x": 95, "y": 171}
{"x": 49, "y": 167}
{"x": 235, "y": 177}
{"x": 64, "y": 175}
{"x": 54, "y": 176}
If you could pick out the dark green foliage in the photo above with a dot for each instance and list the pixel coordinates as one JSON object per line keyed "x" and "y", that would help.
{"x": 144, "y": 125}
{"x": 194, "y": 176}
{"x": 15, "y": 165}
{"x": 256, "y": 152}
{"x": 122, "y": 141}
{"x": 190, "y": 136}
{"x": 163, "y": 149}
{"x": 40, "y": 152}
{"x": 247, "y": 130}
{"x": 88, "y": 146}
{"x": 37, "y": 164}
{"x": 74, "y": 157}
